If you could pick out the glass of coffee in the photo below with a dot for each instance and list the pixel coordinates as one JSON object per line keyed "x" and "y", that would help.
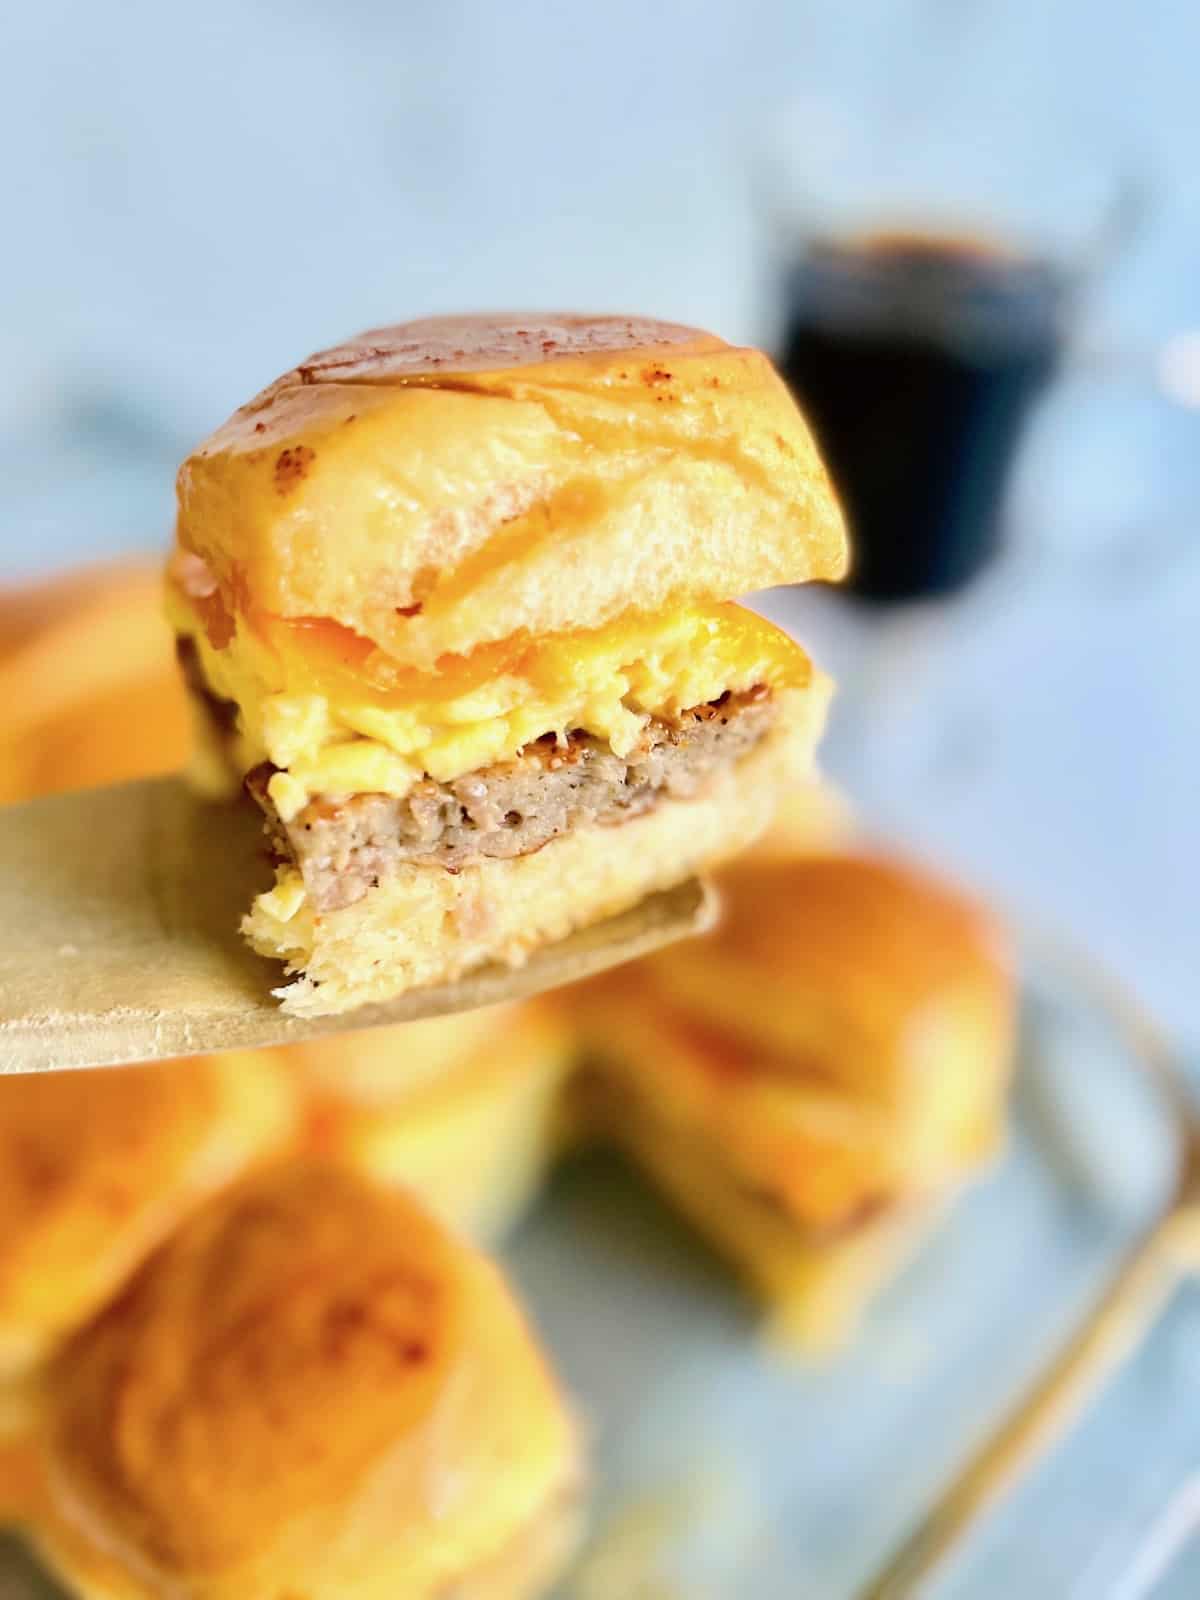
{"x": 927, "y": 296}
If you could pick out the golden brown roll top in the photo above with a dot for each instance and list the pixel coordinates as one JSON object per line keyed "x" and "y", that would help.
{"x": 856, "y": 966}
{"x": 443, "y": 483}
{"x": 96, "y": 1167}
{"x": 314, "y": 1390}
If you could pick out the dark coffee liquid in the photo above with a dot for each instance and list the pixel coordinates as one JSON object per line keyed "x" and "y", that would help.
{"x": 917, "y": 360}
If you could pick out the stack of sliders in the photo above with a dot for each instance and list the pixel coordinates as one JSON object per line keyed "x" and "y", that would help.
{"x": 455, "y": 599}
{"x": 811, "y": 1082}
{"x": 230, "y": 1366}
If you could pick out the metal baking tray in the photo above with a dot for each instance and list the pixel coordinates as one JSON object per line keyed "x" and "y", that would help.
{"x": 921, "y": 1460}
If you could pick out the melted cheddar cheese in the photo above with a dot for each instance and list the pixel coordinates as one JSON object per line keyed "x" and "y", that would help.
{"x": 337, "y": 716}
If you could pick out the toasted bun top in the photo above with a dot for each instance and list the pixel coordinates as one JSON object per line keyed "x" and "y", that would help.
{"x": 311, "y": 1388}
{"x": 843, "y": 915}
{"x": 448, "y": 482}
{"x": 443, "y": 347}
{"x": 842, "y": 961}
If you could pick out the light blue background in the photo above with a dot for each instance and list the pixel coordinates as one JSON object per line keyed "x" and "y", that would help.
{"x": 195, "y": 196}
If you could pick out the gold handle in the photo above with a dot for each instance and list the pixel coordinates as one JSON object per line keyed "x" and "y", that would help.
{"x": 1116, "y": 1325}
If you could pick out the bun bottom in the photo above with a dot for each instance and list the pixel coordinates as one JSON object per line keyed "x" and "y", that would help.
{"x": 423, "y": 925}
{"x": 523, "y": 1568}
{"x": 814, "y": 1289}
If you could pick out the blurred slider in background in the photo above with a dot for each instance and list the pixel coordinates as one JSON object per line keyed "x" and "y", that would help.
{"x": 811, "y": 1082}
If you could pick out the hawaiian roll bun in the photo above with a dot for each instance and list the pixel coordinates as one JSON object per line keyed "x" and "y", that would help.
{"x": 879, "y": 977}
{"x": 312, "y": 1389}
{"x": 444, "y": 483}
{"x": 814, "y": 1079}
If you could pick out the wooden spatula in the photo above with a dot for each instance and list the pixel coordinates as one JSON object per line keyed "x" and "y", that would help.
{"x": 118, "y": 935}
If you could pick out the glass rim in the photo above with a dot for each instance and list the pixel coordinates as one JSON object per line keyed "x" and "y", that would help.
{"x": 815, "y": 172}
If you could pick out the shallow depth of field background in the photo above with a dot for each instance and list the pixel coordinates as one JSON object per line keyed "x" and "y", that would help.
{"x": 196, "y": 196}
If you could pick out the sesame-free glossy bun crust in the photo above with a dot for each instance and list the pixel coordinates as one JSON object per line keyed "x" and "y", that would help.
{"x": 443, "y": 483}
{"x": 313, "y": 1389}
{"x": 840, "y": 958}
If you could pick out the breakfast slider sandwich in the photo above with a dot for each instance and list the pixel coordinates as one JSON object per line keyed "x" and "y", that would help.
{"x": 312, "y": 1389}
{"x": 467, "y": 1111}
{"x": 456, "y": 598}
{"x": 812, "y": 1081}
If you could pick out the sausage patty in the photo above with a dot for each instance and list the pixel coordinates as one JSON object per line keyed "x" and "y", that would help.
{"x": 344, "y": 844}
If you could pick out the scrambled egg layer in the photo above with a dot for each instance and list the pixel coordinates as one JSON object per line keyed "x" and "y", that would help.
{"x": 337, "y": 716}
